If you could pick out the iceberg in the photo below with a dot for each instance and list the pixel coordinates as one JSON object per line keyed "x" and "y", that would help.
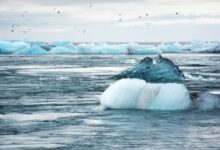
{"x": 203, "y": 47}
{"x": 137, "y": 94}
{"x": 101, "y": 48}
{"x": 134, "y": 48}
{"x": 7, "y": 47}
{"x": 46, "y": 46}
{"x": 35, "y": 50}
{"x": 61, "y": 43}
{"x": 105, "y": 48}
{"x": 67, "y": 47}
{"x": 61, "y": 50}
{"x": 171, "y": 47}
{"x": 21, "y": 45}
{"x": 158, "y": 70}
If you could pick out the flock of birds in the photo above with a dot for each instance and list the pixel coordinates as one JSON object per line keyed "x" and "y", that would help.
{"x": 57, "y": 11}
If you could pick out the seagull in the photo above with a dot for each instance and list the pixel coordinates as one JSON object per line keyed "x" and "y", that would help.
{"x": 12, "y": 30}
{"x": 120, "y": 20}
{"x": 55, "y": 9}
{"x": 23, "y": 14}
{"x": 177, "y": 13}
{"x": 147, "y": 14}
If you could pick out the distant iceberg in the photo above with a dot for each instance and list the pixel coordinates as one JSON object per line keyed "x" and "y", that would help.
{"x": 61, "y": 50}
{"x": 157, "y": 70}
{"x": 7, "y": 47}
{"x": 203, "y": 47}
{"x": 172, "y": 47}
{"x": 67, "y": 47}
{"x": 35, "y": 50}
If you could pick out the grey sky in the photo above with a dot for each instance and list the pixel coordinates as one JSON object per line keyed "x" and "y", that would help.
{"x": 112, "y": 20}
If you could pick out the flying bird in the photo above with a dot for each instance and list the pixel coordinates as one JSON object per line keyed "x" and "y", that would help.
{"x": 58, "y": 11}
{"x": 120, "y": 20}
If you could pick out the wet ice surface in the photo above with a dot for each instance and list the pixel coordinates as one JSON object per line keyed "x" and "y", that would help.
{"x": 53, "y": 102}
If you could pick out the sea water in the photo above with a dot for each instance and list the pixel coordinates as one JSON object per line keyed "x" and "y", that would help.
{"x": 52, "y": 102}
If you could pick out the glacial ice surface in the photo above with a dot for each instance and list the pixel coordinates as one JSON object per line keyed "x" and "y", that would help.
{"x": 137, "y": 94}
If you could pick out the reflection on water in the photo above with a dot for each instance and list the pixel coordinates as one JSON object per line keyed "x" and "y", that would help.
{"x": 53, "y": 102}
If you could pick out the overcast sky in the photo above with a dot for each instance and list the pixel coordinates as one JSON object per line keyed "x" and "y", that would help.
{"x": 110, "y": 20}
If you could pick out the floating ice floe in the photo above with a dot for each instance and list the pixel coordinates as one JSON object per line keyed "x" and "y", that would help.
{"x": 157, "y": 70}
{"x": 137, "y": 94}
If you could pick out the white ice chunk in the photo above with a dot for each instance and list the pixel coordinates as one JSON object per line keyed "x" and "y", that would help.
{"x": 137, "y": 94}
{"x": 134, "y": 48}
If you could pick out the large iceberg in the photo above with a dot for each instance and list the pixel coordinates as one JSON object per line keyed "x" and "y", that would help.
{"x": 158, "y": 70}
{"x": 137, "y": 94}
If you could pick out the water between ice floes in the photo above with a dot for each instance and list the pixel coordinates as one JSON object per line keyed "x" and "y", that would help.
{"x": 53, "y": 102}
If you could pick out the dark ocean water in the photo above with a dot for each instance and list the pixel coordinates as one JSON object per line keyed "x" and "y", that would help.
{"x": 52, "y": 102}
